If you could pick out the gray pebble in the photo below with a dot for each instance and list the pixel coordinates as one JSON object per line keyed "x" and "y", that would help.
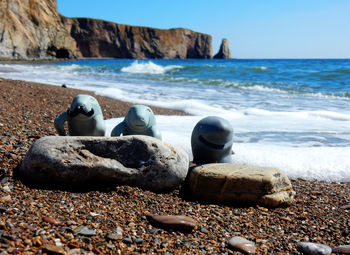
{"x": 309, "y": 248}
{"x": 84, "y": 231}
{"x": 127, "y": 240}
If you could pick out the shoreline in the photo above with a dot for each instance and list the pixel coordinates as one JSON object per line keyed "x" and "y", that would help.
{"x": 320, "y": 212}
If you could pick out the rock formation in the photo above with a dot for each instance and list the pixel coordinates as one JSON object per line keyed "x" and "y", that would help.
{"x": 81, "y": 161}
{"x": 224, "y": 51}
{"x": 35, "y": 29}
{"x": 101, "y": 39}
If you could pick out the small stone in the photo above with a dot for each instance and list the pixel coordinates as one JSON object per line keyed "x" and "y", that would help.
{"x": 241, "y": 244}
{"x": 114, "y": 236}
{"x": 5, "y": 198}
{"x": 75, "y": 251}
{"x": 309, "y": 248}
{"x": 84, "y": 231}
{"x": 6, "y": 188}
{"x": 52, "y": 221}
{"x": 346, "y": 207}
{"x": 139, "y": 240}
{"x": 58, "y": 242}
{"x": 204, "y": 230}
{"x": 110, "y": 245}
{"x": 127, "y": 240}
{"x": 71, "y": 222}
{"x": 343, "y": 249}
{"x": 52, "y": 249}
{"x": 175, "y": 222}
{"x": 28, "y": 242}
{"x": 9, "y": 224}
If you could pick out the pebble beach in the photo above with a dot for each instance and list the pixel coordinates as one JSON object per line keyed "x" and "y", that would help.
{"x": 113, "y": 221}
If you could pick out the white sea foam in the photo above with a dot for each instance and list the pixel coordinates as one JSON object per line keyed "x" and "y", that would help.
{"x": 148, "y": 68}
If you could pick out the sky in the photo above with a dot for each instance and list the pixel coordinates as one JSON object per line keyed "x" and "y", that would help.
{"x": 254, "y": 28}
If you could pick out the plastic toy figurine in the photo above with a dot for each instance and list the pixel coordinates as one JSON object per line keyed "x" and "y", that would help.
{"x": 84, "y": 118}
{"x": 212, "y": 140}
{"x": 139, "y": 120}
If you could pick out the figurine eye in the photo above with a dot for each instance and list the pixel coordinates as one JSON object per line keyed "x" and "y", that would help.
{"x": 90, "y": 113}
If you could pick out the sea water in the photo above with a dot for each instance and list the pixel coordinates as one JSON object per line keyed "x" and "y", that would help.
{"x": 290, "y": 114}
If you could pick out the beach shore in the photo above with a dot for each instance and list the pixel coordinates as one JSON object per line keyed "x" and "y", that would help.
{"x": 33, "y": 219}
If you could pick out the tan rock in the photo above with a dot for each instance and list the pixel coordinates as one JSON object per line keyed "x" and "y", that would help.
{"x": 229, "y": 183}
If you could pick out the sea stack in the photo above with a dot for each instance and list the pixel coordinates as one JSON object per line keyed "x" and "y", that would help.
{"x": 224, "y": 51}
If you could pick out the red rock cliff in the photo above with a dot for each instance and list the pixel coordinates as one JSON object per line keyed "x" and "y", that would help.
{"x": 34, "y": 29}
{"x": 98, "y": 38}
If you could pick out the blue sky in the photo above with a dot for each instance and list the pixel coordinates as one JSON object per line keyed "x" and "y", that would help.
{"x": 254, "y": 28}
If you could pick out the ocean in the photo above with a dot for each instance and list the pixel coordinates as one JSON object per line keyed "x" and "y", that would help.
{"x": 289, "y": 114}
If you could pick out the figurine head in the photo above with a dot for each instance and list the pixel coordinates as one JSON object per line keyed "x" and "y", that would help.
{"x": 84, "y": 107}
{"x": 140, "y": 118}
{"x": 212, "y": 140}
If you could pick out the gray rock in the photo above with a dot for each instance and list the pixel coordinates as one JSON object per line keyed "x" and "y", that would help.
{"x": 84, "y": 231}
{"x": 229, "y": 183}
{"x": 127, "y": 240}
{"x": 241, "y": 244}
{"x": 141, "y": 161}
{"x": 309, "y": 248}
{"x": 343, "y": 249}
{"x": 224, "y": 51}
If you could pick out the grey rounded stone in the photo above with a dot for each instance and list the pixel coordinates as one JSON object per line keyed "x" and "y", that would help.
{"x": 309, "y": 248}
{"x": 141, "y": 161}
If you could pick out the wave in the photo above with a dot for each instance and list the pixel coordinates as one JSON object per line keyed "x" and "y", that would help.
{"x": 148, "y": 68}
{"x": 258, "y": 68}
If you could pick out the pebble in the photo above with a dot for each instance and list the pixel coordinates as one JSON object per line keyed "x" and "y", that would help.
{"x": 204, "y": 230}
{"x": 114, "y": 236}
{"x": 9, "y": 224}
{"x": 241, "y": 244}
{"x": 5, "y": 198}
{"x": 52, "y": 221}
{"x": 139, "y": 240}
{"x": 175, "y": 222}
{"x": 76, "y": 251}
{"x": 52, "y": 249}
{"x": 346, "y": 207}
{"x": 84, "y": 231}
{"x": 127, "y": 240}
{"x": 309, "y": 248}
{"x": 6, "y": 188}
{"x": 343, "y": 249}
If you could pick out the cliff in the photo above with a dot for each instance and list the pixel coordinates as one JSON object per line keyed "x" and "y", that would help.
{"x": 99, "y": 38}
{"x": 33, "y": 29}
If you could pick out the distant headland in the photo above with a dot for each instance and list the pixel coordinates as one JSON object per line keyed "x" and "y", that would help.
{"x": 35, "y": 30}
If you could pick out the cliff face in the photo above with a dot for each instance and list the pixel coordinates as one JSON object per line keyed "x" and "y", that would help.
{"x": 98, "y": 38}
{"x": 34, "y": 29}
